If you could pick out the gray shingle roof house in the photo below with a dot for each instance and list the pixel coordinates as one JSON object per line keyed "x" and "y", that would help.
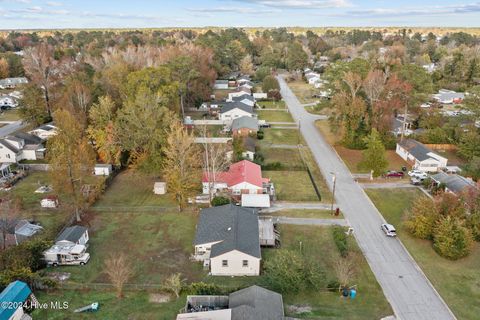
{"x": 74, "y": 235}
{"x": 12, "y": 82}
{"x": 453, "y": 182}
{"x": 256, "y": 303}
{"x": 243, "y": 97}
{"x": 228, "y": 238}
{"x": 228, "y": 106}
{"x": 252, "y": 303}
{"x": 245, "y": 123}
{"x": 421, "y": 157}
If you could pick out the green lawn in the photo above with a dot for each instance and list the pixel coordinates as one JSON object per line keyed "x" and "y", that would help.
{"x": 458, "y": 282}
{"x": 305, "y": 213}
{"x": 131, "y": 188}
{"x": 272, "y": 104}
{"x": 318, "y": 245}
{"x": 289, "y": 158}
{"x": 275, "y": 116}
{"x": 135, "y": 304}
{"x": 281, "y": 136}
{"x": 292, "y": 185}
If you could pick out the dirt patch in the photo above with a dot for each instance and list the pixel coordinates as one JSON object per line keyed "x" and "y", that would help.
{"x": 299, "y": 309}
{"x": 159, "y": 297}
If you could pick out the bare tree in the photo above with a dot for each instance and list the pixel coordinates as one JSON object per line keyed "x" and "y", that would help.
{"x": 119, "y": 270}
{"x": 174, "y": 283}
{"x": 345, "y": 269}
{"x": 41, "y": 66}
{"x": 354, "y": 82}
{"x": 215, "y": 160}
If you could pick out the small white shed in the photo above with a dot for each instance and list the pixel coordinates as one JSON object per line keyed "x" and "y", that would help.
{"x": 49, "y": 202}
{"x": 160, "y": 188}
{"x": 103, "y": 169}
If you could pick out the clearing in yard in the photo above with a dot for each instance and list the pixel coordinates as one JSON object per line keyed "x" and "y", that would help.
{"x": 353, "y": 158}
{"x": 456, "y": 281}
{"x": 303, "y": 91}
{"x": 281, "y": 136}
{"x": 275, "y": 116}
{"x": 222, "y": 94}
{"x": 280, "y": 105}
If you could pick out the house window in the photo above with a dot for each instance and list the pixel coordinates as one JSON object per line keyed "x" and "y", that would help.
{"x": 245, "y": 263}
{"x": 8, "y": 156}
{"x": 224, "y": 263}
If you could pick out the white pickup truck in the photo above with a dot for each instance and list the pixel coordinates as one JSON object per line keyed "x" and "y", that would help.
{"x": 62, "y": 255}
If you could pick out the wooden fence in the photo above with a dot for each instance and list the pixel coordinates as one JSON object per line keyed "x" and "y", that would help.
{"x": 442, "y": 146}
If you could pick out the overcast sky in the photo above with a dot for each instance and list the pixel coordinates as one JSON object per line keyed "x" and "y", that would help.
{"x": 41, "y": 14}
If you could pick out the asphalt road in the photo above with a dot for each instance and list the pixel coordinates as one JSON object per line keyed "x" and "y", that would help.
{"x": 10, "y": 128}
{"x": 409, "y": 292}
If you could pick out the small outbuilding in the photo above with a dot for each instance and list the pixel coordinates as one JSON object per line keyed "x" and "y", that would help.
{"x": 12, "y": 300}
{"x": 72, "y": 236}
{"x": 255, "y": 200}
{"x": 160, "y": 188}
{"x": 49, "y": 202}
{"x": 103, "y": 169}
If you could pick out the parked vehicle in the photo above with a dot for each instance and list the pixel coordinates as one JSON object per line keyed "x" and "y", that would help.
{"x": 416, "y": 181}
{"x": 59, "y": 255}
{"x": 393, "y": 174}
{"x": 389, "y": 230}
{"x": 417, "y": 174}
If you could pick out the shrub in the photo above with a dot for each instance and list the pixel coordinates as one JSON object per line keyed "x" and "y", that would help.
{"x": 260, "y": 135}
{"x": 284, "y": 272}
{"x": 270, "y": 83}
{"x": 452, "y": 240}
{"x": 202, "y": 288}
{"x": 272, "y": 166}
{"x": 421, "y": 221}
{"x": 340, "y": 239}
{"x": 220, "y": 201}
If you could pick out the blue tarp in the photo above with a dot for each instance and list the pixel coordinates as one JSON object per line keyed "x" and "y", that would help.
{"x": 16, "y": 291}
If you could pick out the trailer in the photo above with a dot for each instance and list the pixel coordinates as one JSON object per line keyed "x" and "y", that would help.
{"x": 62, "y": 255}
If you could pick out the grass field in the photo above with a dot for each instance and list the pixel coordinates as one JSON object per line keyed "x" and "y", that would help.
{"x": 352, "y": 158}
{"x": 272, "y": 105}
{"x": 275, "y": 116}
{"x": 289, "y": 158}
{"x": 303, "y": 91}
{"x": 458, "y": 282}
{"x": 281, "y": 136}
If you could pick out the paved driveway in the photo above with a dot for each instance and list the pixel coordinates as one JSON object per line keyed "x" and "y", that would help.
{"x": 310, "y": 221}
{"x": 409, "y": 292}
{"x": 10, "y": 128}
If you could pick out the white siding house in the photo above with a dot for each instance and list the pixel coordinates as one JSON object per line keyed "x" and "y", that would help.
{"x": 419, "y": 156}
{"x": 235, "y": 263}
{"x": 227, "y": 240}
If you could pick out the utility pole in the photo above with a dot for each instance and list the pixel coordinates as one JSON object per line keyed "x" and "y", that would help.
{"x": 405, "y": 111}
{"x": 334, "y": 180}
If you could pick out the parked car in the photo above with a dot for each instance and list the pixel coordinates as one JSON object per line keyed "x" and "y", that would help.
{"x": 389, "y": 230}
{"x": 417, "y": 174}
{"x": 393, "y": 174}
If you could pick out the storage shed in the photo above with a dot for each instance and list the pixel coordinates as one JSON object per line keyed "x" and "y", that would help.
{"x": 160, "y": 188}
{"x": 103, "y": 169}
{"x": 49, "y": 202}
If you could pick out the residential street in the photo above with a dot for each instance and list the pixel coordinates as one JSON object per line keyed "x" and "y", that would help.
{"x": 10, "y": 128}
{"x": 409, "y": 292}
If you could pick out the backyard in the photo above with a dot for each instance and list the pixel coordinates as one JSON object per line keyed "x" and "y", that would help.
{"x": 458, "y": 282}
{"x": 353, "y": 158}
{"x": 9, "y": 115}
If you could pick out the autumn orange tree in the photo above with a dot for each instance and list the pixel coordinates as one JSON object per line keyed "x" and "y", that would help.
{"x": 181, "y": 163}
{"x": 71, "y": 159}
